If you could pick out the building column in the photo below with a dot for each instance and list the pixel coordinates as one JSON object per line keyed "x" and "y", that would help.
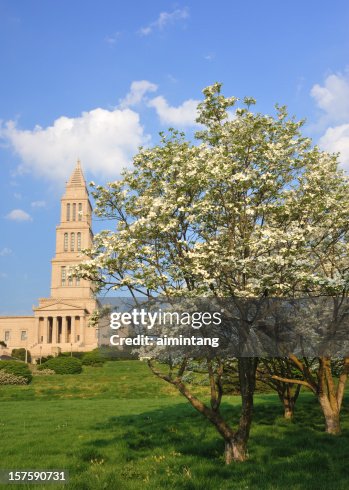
{"x": 54, "y": 330}
{"x": 37, "y": 330}
{"x": 82, "y": 329}
{"x": 72, "y": 330}
{"x": 64, "y": 329}
{"x": 45, "y": 330}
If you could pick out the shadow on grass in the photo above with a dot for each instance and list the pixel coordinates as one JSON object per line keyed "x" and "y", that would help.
{"x": 176, "y": 441}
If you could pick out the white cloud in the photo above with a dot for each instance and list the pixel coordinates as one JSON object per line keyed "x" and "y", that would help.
{"x": 5, "y": 251}
{"x": 164, "y": 19}
{"x": 104, "y": 140}
{"x": 38, "y": 204}
{"x": 137, "y": 92}
{"x": 183, "y": 115}
{"x": 333, "y": 98}
{"x": 336, "y": 139}
{"x": 19, "y": 215}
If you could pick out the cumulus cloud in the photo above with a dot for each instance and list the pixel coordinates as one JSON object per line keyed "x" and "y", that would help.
{"x": 5, "y": 251}
{"x": 137, "y": 92}
{"x": 19, "y": 215}
{"x": 336, "y": 139}
{"x": 183, "y": 115}
{"x": 164, "y": 19}
{"x": 333, "y": 99}
{"x": 38, "y": 204}
{"x": 104, "y": 140}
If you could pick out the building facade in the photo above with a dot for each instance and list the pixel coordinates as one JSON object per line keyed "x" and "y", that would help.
{"x": 60, "y": 322}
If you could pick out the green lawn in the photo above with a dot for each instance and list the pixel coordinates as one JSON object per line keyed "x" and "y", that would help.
{"x": 118, "y": 427}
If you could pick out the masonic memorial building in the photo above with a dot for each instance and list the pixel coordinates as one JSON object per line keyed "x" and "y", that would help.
{"x": 60, "y": 322}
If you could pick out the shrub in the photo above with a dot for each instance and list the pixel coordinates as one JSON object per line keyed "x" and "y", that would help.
{"x": 11, "y": 379}
{"x": 20, "y": 354}
{"x": 93, "y": 358}
{"x": 17, "y": 368}
{"x": 63, "y": 365}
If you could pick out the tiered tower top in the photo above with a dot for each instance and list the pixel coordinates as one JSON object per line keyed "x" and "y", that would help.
{"x": 73, "y": 234}
{"x": 77, "y": 177}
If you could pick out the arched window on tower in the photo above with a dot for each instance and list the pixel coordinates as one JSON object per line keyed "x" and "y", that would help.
{"x": 70, "y": 277}
{"x": 72, "y": 242}
{"x": 63, "y": 275}
{"x": 68, "y": 212}
{"x": 74, "y": 212}
{"x": 66, "y": 242}
{"x": 80, "y": 212}
{"x": 77, "y": 281}
{"x": 79, "y": 241}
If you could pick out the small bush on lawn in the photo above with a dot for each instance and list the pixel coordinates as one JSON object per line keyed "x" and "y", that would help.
{"x": 63, "y": 365}
{"x": 11, "y": 379}
{"x": 93, "y": 358}
{"x": 20, "y": 354}
{"x": 17, "y": 368}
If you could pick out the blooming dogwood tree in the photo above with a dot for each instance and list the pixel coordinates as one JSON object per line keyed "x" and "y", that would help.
{"x": 251, "y": 210}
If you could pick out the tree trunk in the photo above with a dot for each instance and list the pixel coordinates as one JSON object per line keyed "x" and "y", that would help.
{"x": 333, "y": 424}
{"x": 229, "y": 451}
{"x": 289, "y": 406}
{"x": 236, "y": 444}
{"x": 288, "y": 412}
{"x": 247, "y": 376}
{"x": 240, "y": 450}
{"x": 235, "y": 451}
{"x": 332, "y": 420}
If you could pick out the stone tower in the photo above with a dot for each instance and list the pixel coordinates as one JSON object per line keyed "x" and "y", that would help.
{"x": 61, "y": 321}
{"x": 73, "y": 234}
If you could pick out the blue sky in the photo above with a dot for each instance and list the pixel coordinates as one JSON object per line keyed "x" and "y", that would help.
{"x": 95, "y": 79}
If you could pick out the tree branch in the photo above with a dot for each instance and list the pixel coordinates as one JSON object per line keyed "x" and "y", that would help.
{"x": 295, "y": 381}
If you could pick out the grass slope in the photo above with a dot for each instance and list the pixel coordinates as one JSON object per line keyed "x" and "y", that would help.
{"x": 118, "y": 427}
